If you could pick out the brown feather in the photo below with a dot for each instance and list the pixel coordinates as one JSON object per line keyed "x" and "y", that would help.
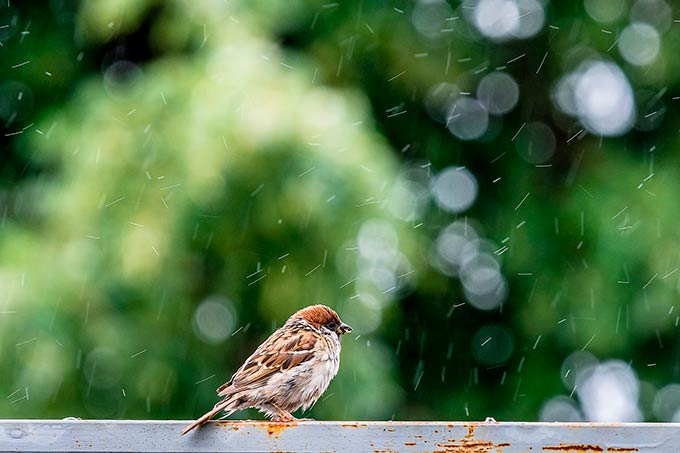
{"x": 207, "y": 416}
{"x": 268, "y": 360}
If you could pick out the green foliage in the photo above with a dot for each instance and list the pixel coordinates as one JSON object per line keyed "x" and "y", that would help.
{"x": 203, "y": 169}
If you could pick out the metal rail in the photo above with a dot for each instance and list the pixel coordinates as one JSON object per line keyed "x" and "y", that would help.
{"x": 312, "y": 436}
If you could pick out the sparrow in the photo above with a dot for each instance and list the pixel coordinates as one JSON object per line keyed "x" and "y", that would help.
{"x": 291, "y": 369}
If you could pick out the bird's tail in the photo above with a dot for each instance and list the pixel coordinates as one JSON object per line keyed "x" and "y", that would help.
{"x": 208, "y": 415}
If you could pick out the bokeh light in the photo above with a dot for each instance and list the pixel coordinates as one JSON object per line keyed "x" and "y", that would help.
{"x": 467, "y": 118}
{"x": 214, "y": 320}
{"x": 639, "y": 43}
{"x": 498, "y": 92}
{"x": 455, "y": 189}
{"x": 431, "y": 17}
{"x": 536, "y": 143}
{"x": 452, "y": 246}
{"x": 605, "y": 11}
{"x": 560, "y": 409}
{"x": 492, "y": 344}
{"x": 666, "y": 405}
{"x": 656, "y": 13}
{"x": 600, "y": 95}
{"x": 500, "y": 20}
{"x": 609, "y": 392}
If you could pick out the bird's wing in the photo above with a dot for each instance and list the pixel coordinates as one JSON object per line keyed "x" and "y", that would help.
{"x": 283, "y": 350}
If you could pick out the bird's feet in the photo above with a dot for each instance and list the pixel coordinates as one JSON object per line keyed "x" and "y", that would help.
{"x": 284, "y": 418}
{"x": 282, "y": 415}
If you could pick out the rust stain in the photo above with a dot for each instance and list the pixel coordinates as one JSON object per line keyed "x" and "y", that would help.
{"x": 391, "y": 430}
{"x": 470, "y": 446}
{"x": 574, "y": 447}
{"x": 471, "y": 431}
{"x": 355, "y": 425}
{"x": 622, "y": 449}
{"x": 275, "y": 429}
{"x": 409, "y": 444}
{"x": 234, "y": 426}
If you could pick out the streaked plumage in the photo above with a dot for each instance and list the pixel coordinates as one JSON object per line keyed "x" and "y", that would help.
{"x": 291, "y": 369}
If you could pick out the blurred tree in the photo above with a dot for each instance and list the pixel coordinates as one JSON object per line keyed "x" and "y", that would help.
{"x": 484, "y": 188}
{"x": 200, "y": 195}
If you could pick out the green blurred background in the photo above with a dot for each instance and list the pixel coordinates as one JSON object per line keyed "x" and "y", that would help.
{"x": 487, "y": 191}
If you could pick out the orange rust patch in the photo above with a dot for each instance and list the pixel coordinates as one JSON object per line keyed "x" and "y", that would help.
{"x": 471, "y": 431}
{"x": 575, "y": 448}
{"x": 470, "y": 446}
{"x": 622, "y": 449}
{"x": 232, "y": 425}
{"x": 275, "y": 429}
{"x": 410, "y": 444}
{"x": 354, "y": 425}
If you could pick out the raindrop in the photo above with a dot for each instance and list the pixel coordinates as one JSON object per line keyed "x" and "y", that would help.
{"x": 16, "y": 101}
{"x": 654, "y": 110}
{"x": 9, "y": 19}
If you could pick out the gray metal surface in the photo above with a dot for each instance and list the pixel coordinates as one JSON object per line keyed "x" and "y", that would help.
{"x": 313, "y": 436}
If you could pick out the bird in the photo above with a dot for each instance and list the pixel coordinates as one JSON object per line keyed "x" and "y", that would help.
{"x": 290, "y": 369}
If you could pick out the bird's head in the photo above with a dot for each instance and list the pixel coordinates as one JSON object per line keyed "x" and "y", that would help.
{"x": 322, "y": 316}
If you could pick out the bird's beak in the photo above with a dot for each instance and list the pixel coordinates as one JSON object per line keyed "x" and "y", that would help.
{"x": 344, "y": 328}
